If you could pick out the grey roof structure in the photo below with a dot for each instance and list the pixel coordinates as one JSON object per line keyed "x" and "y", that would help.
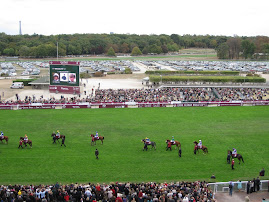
{"x": 41, "y": 81}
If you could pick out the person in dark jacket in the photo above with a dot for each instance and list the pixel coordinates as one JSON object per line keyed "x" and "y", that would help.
{"x": 179, "y": 152}
{"x": 248, "y": 187}
{"x": 258, "y": 183}
{"x": 262, "y": 172}
{"x": 96, "y": 154}
{"x": 63, "y": 140}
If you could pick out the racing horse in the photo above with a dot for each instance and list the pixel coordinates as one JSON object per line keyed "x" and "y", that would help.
{"x": 153, "y": 144}
{"x": 4, "y": 138}
{"x": 238, "y": 156}
{"x": 25, "y": 144}
{"x": 56, "y": 138}
{"x": 177, "y": 143}
{"x": 94, "y": 139}
{"x": 204, "y": 148}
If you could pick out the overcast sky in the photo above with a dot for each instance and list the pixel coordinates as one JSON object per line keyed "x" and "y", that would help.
{"x": 200, "y": 17}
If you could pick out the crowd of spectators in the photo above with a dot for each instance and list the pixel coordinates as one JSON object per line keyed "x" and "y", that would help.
{"x": 119, "y": 192}
{"x": 191, "y": 94}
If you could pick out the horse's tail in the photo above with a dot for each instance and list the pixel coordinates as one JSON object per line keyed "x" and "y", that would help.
{"x": 103, "y": 138}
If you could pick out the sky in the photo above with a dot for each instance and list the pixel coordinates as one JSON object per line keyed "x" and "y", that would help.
{"x": 200, "y": 17}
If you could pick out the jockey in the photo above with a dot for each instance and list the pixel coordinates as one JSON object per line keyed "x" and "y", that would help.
{"x": 96, "y": 135}
{"x": 147, "y": 140}
{"x": 1, "y": 135}
{"x": 200, "y": 144}
{"x": 173, "y": 140}
{"x": 58, "y": 134}
{"x": 234, "y": 153}
{"x": 25, "y": 138}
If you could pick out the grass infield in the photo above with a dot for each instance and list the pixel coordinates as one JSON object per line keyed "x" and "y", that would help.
{"x": 121, "y": 157}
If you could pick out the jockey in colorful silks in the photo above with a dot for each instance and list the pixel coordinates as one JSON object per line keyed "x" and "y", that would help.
{"x": 25, "y": 138}
{"x": 58, "y": 134}
{"x": 200, "y": 144}
{"x": 2, "y": 135}
{"x": 173, "y": 140}
{"x": 234, "y": 152}
{"x": 147, "y": 140}
{"x": 96, "y": 135}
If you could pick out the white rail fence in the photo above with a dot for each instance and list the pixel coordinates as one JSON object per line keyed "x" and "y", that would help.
{"x": 224, "y": 186}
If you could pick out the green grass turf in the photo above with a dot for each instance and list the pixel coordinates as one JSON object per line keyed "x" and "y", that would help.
{"x": 121, "y": 155}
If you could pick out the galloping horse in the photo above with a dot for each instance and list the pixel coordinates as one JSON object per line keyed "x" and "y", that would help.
{"x": 29, "y": 142}
{"x": 177, "y": 143}
{"x": 238, "y": 156}
{"x": 56, "y": 138}
{"x": 94, "y": 139}
{"x": 153, "y": 144}
{"x": 204, "y": 148}
{"x": 5, "y": 138}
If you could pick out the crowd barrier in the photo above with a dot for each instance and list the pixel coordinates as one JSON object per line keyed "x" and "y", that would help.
{"x": 129, "y": 105}
{"x": 224, "y": 186}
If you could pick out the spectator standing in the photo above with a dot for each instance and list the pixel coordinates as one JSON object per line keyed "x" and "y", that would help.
{"x": 262, "y": 172}
{"x": 179, "y": 152}
{"x": 251, "y": 186}
{"x": 63, "y": 140}
{"x": 231, "y": 186}
{"x": 96, "y": 154}
{"x": 20, "y": 145}
{"x": 232, "y": 164}
{"x": 248, "y": 187}
{"x": 239, "y": 185}
{"x": 254, "y": 184}
{"x": 258, "y": 182}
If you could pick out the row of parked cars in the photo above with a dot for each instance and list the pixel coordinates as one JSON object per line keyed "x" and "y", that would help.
{"x": 109, "y": 66}
{"x": 33, "y": 67}
{"x": 7, "y": 68}
{"x": 242, "y": 66}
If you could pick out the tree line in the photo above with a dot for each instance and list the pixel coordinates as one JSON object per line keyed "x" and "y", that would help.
{"x": 40, "y": 46}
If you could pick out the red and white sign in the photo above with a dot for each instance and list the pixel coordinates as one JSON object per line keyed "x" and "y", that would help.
{"x": 65, "y": 89}
{"x": 63, "y": 63}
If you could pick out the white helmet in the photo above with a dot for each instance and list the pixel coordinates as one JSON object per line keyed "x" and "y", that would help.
{"x": 200, "y": 140}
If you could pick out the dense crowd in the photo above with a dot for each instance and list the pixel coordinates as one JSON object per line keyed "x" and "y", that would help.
{"x": 119, "y": 192}
{"x": 191, "y": 94}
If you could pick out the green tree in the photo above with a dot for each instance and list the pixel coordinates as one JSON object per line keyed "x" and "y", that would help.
{"x": 136, "y": 51}
{"x": 24, "y": 51}
{"x": 145, "y": 50}
{"x": 234, "y": 44}
{"x": 173, "y": 47}
{"x": 223, "y": 51}
{"x": 9, "y": 52}
{"x": 111, "y": 52}
{"x": 248, "y": 48}
{"x": 265, "y": 50}
{"x": 124, "y": 48}
{"x": 164, "y": 49}
{"x": 155, "y": 49}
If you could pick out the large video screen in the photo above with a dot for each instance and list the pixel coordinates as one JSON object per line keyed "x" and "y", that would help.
{"x": 64, "y": 73}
